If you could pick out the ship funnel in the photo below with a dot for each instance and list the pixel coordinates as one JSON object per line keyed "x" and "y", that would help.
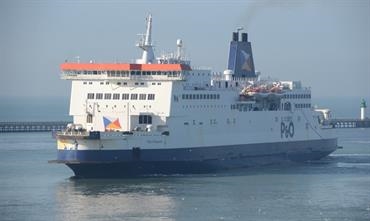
{"x": 235, "y": 36}
{"x": 244, "y": 37}
{"x": 240, "y": 56}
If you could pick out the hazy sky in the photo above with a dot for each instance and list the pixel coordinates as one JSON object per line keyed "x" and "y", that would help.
{"x": 326, "y": 44}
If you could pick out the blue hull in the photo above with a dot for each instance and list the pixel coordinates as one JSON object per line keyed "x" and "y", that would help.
{"x": 136, "y": 162}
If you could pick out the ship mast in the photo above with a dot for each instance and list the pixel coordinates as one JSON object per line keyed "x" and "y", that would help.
{"x": 146, "y": 44}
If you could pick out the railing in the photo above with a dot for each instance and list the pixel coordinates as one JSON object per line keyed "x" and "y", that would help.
{"x": 83, "y": 133}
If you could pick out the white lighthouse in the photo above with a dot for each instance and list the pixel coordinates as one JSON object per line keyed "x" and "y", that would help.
{"x": 363, "y": 109}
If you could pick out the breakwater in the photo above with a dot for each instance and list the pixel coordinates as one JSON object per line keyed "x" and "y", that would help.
{"x": 347, "y": 123}
{"x": 42, "y": 126}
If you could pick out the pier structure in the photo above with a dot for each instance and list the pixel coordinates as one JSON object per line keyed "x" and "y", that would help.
{"x": 347, "y": 123}
{"x": 328, "y": 122}
{"x": 6, "y": 127}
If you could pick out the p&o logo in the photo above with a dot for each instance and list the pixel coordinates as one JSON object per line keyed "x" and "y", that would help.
{"x": 287, "y": 129}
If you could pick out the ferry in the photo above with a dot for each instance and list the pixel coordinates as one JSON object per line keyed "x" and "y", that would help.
{"x": 161, "y": 115}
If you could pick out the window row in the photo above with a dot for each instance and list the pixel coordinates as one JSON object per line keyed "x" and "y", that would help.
{"x": 200, "y": 96}
{"x": 122, "y": 83}
{"x": 302, "y": 105}
{"x": 116, "y": 96}
{"x": 205, "y": 106}
{"x": 141, "y": 73}
{"x": 297, "y": 96}
{"x": 242, "y": 107}
{"x": 123, "y": 73}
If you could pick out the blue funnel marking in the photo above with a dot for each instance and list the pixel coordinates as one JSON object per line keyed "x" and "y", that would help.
{"x": 241, "y": 59}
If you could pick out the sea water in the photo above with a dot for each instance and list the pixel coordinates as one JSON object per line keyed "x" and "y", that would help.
{"x": 335, "y": 188}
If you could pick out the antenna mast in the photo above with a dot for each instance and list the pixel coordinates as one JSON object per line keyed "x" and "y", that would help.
{"x": 146, "y": 44}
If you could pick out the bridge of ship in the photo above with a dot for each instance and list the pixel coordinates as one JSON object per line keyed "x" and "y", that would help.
{"x": 124, "y": 71}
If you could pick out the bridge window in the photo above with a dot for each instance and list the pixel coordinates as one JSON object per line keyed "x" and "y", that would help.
{"x": 107, "y": 96}
{"x": 133, "y": 96}
{"x": 99, "y": 96}
{"x": 123, "y": 74}
{"x": 125, "y": 96}
{"x": 142, "y": 97}
{"x": 145, "y": 119}
{"x": 151, "y": 96}
{"x": 90, "y": 96}
{"x": 115, "y": 96}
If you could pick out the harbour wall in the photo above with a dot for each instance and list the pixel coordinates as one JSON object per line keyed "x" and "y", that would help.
{"x": 347, "y": 123}
{"x": 41, "y": 126}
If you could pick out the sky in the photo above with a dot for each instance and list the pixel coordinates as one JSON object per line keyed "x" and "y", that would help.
{"x": 325, "y": 44}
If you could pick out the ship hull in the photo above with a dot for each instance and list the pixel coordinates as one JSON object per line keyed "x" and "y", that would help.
{"x": 137, "y": 162}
